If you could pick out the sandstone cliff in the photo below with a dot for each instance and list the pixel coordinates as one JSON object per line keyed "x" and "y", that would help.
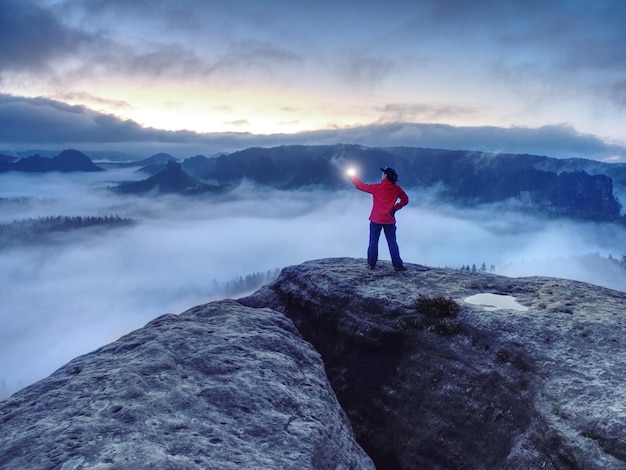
{"x": 221, "y": 386}
{"x": 535, "y": 380}
{"x": 493, "y": 388}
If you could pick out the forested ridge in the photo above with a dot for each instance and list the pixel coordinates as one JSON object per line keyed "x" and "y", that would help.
{"x": 40, "y": 229}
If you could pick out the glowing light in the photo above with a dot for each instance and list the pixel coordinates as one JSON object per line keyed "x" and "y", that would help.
{"x": 351, "y": 172}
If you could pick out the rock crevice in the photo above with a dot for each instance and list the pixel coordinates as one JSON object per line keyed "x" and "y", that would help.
{"x": 507, "y": 388}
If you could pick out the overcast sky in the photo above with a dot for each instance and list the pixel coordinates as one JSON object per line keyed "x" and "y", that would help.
{"x": 534, "y": 76}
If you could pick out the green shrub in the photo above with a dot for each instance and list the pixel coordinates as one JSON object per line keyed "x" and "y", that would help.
{"x": 438, "y": 314}
{"x": 439, "y": 306}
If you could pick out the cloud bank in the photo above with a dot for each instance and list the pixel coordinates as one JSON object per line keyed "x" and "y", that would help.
{"x": 32, "y": 122}
{"x": 86, "y": 288}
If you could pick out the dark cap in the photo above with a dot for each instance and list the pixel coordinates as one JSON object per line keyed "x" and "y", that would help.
{"x": 391, "y": 174}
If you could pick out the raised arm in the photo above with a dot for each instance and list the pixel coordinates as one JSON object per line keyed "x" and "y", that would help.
{"x": 358, "y": 184}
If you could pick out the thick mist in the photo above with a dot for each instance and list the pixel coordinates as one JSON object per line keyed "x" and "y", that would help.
{"x": 85, "y": 288}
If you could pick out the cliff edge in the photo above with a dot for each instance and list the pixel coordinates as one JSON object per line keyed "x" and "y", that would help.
{"x": 522, "y": 373}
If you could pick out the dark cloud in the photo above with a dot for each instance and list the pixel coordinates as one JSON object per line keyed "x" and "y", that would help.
{"x": 41, "y": 120}
{"x": 416, "y": 112}
{"x": 367, "y": 72}
{"x": 33, "y": 37}
{"x": 28, "y": 122}
{"x": 82, "y": 96}
{"x": 154, "y": 60}
{"x": 551, "y": 46}
{"x": 560, "y": 141}
{"x": 245, "y": 55}
{"x": 160, "y": 39}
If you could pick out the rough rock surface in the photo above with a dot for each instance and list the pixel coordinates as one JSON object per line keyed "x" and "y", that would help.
{"x": 221, "y": 386}
{"x": 491, "y": 388}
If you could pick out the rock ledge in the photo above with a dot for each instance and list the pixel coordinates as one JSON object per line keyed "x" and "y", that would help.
{"x": 221, "y": 386}
{"x": 536, "y": 387}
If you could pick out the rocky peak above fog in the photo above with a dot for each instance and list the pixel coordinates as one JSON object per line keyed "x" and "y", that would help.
{"x": 534, "y": 381}
{"x": 65, "y": 162}
{"x": 430, "y": 368}
{"x": 172, "y": 179}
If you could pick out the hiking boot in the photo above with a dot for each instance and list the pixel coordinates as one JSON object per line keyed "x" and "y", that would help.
{"x": 399, "y": 268}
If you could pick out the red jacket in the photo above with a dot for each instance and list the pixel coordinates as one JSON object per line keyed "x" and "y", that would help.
{"x": 386, "y": 195}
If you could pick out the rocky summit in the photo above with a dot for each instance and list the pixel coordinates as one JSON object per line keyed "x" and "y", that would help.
{"x": 430, "y": 368}
{"x": 448, "y": 369}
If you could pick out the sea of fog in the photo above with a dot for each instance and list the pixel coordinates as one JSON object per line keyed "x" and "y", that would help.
{"x": 87, "y": 287}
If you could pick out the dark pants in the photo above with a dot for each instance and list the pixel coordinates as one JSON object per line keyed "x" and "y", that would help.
{"x": 390, "y": 235}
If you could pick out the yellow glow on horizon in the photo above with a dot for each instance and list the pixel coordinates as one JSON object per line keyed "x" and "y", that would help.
{"x": 262, "y": 105}
{"x": 199, "y": 109}
{"x": 262, "y": 109}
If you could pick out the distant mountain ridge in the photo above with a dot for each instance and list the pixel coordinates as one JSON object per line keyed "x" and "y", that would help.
{"x": 65, "y": 162}
{"x": 575, "y": 187}
{"x": 157, "y": 161}
{"x": 298, "y": 165}
{"x": 7, "y": 158}
{"x": 172, "y": 179}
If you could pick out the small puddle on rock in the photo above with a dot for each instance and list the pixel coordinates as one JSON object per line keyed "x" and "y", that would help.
{"x": 495, "y": 302}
